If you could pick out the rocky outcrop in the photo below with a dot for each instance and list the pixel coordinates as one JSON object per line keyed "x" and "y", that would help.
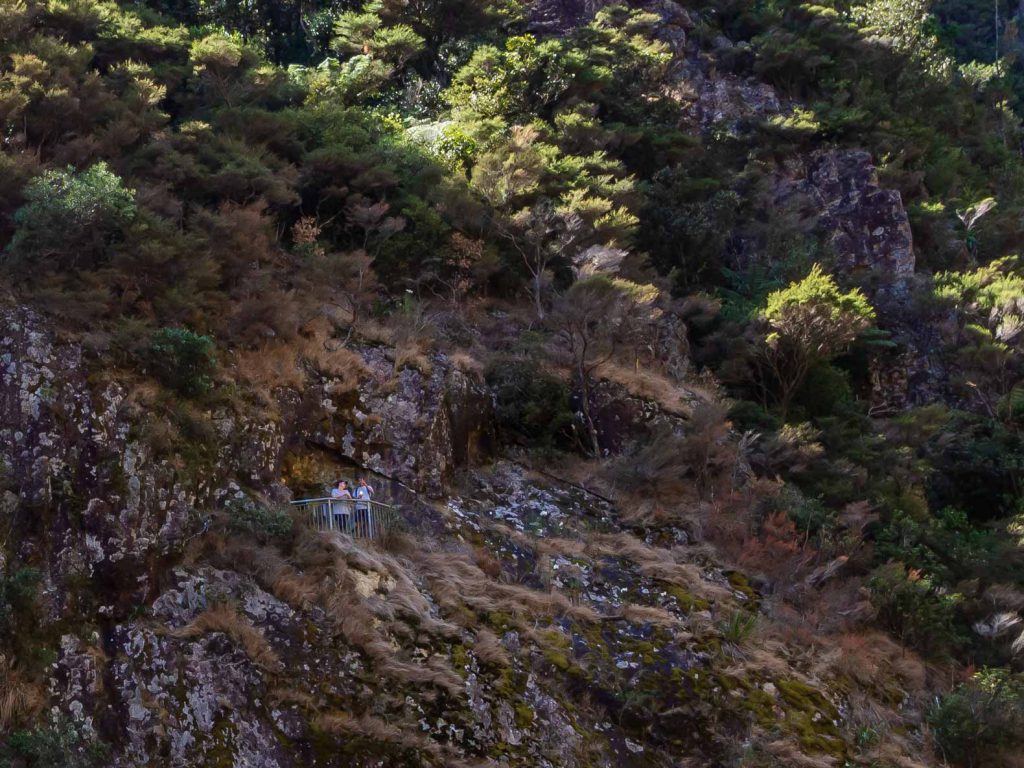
{"x": 834, "y": 196}
{"x": 86, "y": 481}
{"x": 865, "y": 225}
{"x": 74, "y": 465}
{"x": 533, "y": 625}
{"x": 414, "y": 426}
{"x": 713, "y": 98}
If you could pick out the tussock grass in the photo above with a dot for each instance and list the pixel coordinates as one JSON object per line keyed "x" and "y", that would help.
{"x": 273, "y": 573}
{"x": 457, "y": 581}
{"x": 286, "y": 363}
{"x": 647, "y": 384}
{"x": 376, "y": 730}
{"x": 224, "y": 618}
{"x": 19, "y": 699}
{"x": 792, "y": 756}
{"x": 489, "y": 650}
{"x": 371, "y": 622}
{"x": 875, "y": 662}
{"x": 279, "y": 696}
{"x": 658, "y": 563}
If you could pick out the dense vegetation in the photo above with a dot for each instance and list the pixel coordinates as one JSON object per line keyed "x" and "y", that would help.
{"x": 182, "y": 182}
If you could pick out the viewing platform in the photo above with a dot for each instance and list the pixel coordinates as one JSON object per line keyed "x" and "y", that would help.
{"x": 357, "y": 517}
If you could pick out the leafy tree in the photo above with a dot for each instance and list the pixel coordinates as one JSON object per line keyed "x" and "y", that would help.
{"x": 515, "y": 83}
{"x": 592, "y": 321}
{"x": 69, "y": 220}
{"x": 288, "y": 30}
{"x": 364, "y": 32}
{"x": 218, "y": 60}
{"x": 440, "y": 21}
{"x": 809, "y": 322}
{"x": 908, "y": 27}
{"x": 547, "y": 223}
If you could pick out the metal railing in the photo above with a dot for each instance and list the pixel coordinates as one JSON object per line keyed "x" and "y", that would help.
{"x": 356, "y": 517}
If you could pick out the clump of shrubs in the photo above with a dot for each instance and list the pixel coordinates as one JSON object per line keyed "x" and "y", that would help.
{"x": 532, "y": 406}
{"x": 264, "y": 522}
{"x": 18, "y": 590}
{"x": 980, "y": 718}
{"x": 916, "y": 610}
{"x": 182, "y": 360}
{"x": 62, "y": 744}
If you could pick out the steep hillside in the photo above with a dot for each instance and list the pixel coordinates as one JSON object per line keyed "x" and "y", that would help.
{"x": 685, "y": 336}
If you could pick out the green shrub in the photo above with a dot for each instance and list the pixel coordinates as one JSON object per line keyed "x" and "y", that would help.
{"x": 263, "y": 522}
{"x": 980, "y": 717}
{"x": 738, "y": 627}
{"x": 748, "y": 415}
{"x": 532, "y": 406}
{"x": 59, "y": 745}
{"x": 17, "y": 597}
{"x": 69, "y": 219}
{"x": 916, "y": 610}
{"x": 807, "y": 324}
{"x": 944, "y": 544}
{"x": 825, "y": 391}
{"x": 182, "y": 360}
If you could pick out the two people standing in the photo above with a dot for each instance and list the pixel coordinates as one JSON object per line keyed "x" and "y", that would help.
{"x": 363, "y": 495}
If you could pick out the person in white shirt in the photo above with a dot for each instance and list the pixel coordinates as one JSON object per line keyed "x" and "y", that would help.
{"x": 364, "y": 493}
{"x": 342, "y": 494}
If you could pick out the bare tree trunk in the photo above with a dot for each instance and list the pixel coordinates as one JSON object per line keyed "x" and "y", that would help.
{"x": 588, "y": 420}
{"x": 538, "y": 279}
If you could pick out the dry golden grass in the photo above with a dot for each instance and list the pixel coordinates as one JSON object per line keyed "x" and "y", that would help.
{"x": 489, "y": 650}
{"x": 372, "y": 601}
{"x": 375, "y": 332}
{"x": 646, "y": 614}
{"x": 900, "y": 752}
{"x": 271, "y": 571}
{"x": 279, "y": 696}
{"x": 19, "y": 699}
{"x": 274, "y": 365}
{"x": 376, "y": 730}
{"x": 877, "y": 663}
{"x": 222, "y": 617}
{"x": 412, "y": 356}
{"x": 793, "y": 756}
{"x": 659, "y": 563}
{"x": 457, "y": 582}
{"x": 649, "y": 385}
{"x": 283, "y": 363}
{"x": 469, "y": 365}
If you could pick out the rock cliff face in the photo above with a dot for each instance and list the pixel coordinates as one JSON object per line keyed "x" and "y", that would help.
{"x": 865, "y": 226}
{"x": 835, "y": 192}
{"x": 532, "y": 623}
{"x": 419, "y": 428}
{"x": 592, "y": 649}
{"x": 711, "y": 99}
{"x": 84, "y": 480}
{"x": 833, "y": 196}
{"x": 78, "y": 473}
